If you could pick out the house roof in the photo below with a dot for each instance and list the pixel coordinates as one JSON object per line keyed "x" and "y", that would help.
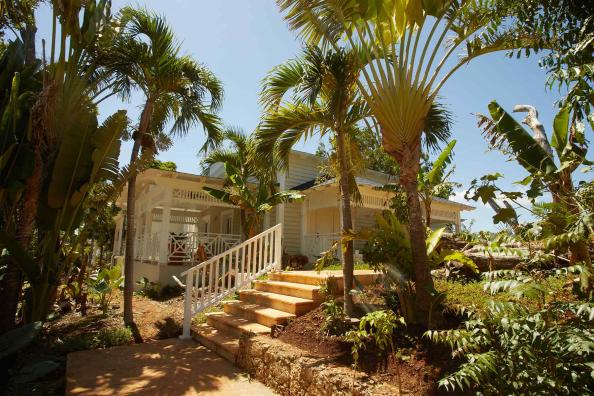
{"x": 362, "y": 181}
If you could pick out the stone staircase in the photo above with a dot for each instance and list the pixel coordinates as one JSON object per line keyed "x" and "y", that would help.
{"x": 284, "y": 296}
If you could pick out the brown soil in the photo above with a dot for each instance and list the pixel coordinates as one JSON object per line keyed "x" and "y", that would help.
{"x": 154, "y": 319}
{"x": 419, "y": 366}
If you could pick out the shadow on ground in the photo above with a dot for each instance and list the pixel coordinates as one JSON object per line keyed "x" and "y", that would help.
{"x": 165, "y": 367}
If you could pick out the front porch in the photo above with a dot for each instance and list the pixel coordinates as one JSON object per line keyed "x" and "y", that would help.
{"x": 322, "y": 217}
{"x": 177, "y": 225}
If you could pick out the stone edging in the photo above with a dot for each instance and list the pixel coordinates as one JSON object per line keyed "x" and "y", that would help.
{"x": 288, "y": 371}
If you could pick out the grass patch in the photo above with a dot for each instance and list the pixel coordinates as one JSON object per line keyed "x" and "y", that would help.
{"x": 104, "y": 338}
{"x": 473, "y": 296}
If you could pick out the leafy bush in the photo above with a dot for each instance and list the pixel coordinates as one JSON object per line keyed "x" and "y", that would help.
{"x": 104, "y": 338}
{"x": 335, "y": 322}
{"x": 103, "y": 284}
{"x": 512, "y": 351}
{"x": 527, "y": 342}
{"x": 376, "y": 328}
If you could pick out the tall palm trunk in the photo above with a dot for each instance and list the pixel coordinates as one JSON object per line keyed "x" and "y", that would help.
{"x": 348, "y": 258}
{"x": 12, "y": 282}
{"x": 143, "y": 128}
{"x": 409, "y": 168}
{"x": 427, "y": 205}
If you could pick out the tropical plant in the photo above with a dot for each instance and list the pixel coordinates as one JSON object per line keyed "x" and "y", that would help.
{"x": 388, "y": 250}
{"x": 103, "y": 284}
{"x": 20, "y": 86}
{"x": 401, "y": 85}
{"x": 146, "y": 57}
{"x": 241, "y": 151}
{"x": 70, "y": 152}
{"x": 325, "y": 99}
{"x": 164, "y": 165}
{"x": 512, "y": 350}
{"x": 377, "y": 328}
{"x": 434, "y": 179}
{"x": 566, "y": 31}
{"x": 335, "y": 320}
{"x": 538, "y": 157}
{"x": 253, "y": 201}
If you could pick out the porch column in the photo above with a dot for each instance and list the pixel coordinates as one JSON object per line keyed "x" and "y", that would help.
{"x": 280, "y": 209}
{"x": 266, "y": 220}
{"x": 304, "y": 216}
{"x": 148, "y": 218}
{"x": 116, "y": 237}
{"x": 164, "y": 231}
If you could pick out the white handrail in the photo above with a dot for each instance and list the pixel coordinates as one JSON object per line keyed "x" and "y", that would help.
{"x": 212, "y": 280}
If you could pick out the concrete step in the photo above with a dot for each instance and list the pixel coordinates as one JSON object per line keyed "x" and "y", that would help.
{"x": 234, "y": 325}
{"x": 365, "y": 277}
{"x": 217, "y": 341}
{"x": 300, "y": 290}
{"x": 295, "y": 305}
{"x": 264, "y": 315}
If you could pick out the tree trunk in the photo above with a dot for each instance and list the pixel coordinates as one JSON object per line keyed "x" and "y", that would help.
{"x": 348, "y": 266}
{"x": 427, "y": 204}
{"x": 409, "y": 168}
{"x": 130, "y": 235}
{"x": 143, "y": 129}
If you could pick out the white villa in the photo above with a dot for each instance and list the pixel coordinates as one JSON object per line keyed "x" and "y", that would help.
{"x": 179, "y": 225}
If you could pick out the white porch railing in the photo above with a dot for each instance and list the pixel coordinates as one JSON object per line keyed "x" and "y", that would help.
{"x": 316, "y": 244}
{"x": 211, "y": 281}
{"x": 186, "y": 247}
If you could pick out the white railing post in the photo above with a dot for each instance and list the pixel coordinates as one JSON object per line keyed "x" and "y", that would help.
{"x": 278, "y": 254}
{"x": 253, "y": 258}
{"x": 186, "y": 335}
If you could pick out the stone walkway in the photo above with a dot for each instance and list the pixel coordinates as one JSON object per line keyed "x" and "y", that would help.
{"x": 165, "y": 367}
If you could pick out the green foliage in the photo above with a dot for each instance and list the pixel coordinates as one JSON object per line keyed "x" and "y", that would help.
{"x": 164, "y": 165}
{"x": 253, "y": 204}
{"x": 104, "y": 338}
{"x": 376, "y": 328}
{"x": 510, "y": 350}
{"x": 335, "y": 319}
{"x": 103, "y": 284}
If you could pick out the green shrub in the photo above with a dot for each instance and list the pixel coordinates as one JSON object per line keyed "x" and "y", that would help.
{"x": 104, "y": 338}
{"x": 376, "y": 328}
{"x": 335, "y": 320}
{"x": 527, "y": 342}
{"x": 511, "y": 351}
{"x": 103, "y": 284}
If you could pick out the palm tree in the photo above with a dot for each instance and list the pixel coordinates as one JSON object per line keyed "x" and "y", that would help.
{"x": 326, "y": 99}
{"x": 253, "y": 202}
{"x": 239, "y": 150}
{"x": 175, "y": 87}
{"x": 401, "y": 86}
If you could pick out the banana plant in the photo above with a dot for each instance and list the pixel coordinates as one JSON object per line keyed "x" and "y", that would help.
{"x": 71, "y": 151}
{"x": 254, "y": 201}
{"x": 550, "y": 166}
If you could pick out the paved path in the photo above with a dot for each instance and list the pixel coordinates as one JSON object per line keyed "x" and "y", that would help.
{"x": 165, "y": 367}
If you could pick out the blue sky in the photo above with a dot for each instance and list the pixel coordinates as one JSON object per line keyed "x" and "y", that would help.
{"x": 240, "y": 40}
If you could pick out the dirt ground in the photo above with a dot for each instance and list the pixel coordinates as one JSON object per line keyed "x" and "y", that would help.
{"x": 419, "y": 366}
{"x": 154, "y": 319}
